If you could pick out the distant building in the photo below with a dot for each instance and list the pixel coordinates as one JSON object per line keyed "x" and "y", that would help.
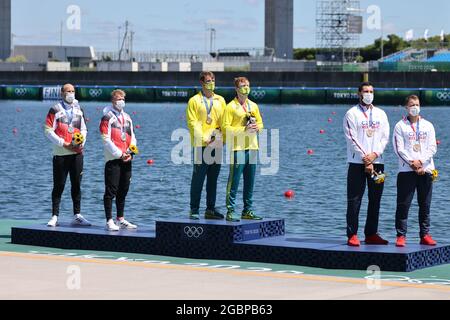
{"x": 79, "y": 57}
{"x": 279, "y": 27}
{"x": 5, "y": 29}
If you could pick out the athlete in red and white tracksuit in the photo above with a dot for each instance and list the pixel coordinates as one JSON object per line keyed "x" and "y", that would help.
{"x": 64, "y": 120}
{"x": 414, "y": 143}
{"x": 366, "y": 129}
{"x": 117, "y": 132}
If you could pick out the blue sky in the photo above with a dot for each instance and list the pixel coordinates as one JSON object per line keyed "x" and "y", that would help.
{"x": 179, "y": 25}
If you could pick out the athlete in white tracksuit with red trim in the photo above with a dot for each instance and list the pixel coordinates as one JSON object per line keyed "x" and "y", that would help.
{"x": 414, "y": 143}
{"x": 366, "y": 129}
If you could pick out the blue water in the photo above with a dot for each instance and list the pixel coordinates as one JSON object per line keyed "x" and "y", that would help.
{"x": 162, "y": 190}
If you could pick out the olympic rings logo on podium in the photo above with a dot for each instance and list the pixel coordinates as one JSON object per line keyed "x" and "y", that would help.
{"x": 443, "y": 96}
{"x": 258, "y": 94}
{"x": 193, "y": 232}
{"x": 20, "y": 91}
{"x": 95, "y": 93}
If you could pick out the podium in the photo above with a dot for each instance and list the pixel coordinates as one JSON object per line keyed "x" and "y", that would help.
{"x": 262, "y": 241}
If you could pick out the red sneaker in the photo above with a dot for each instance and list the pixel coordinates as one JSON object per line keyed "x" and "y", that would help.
{"x": 428, "y": 241}
{"x": 376, "y": 239}
{"x": 401, "y": 241}
{"x": 353, "y": 241}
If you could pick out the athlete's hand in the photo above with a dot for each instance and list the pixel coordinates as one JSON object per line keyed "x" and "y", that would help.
{"x": 369, "y": 169}
{"x": 126, "y": 157}
{"x": 416, "y": 165}
{"x": 370, "y": 158}
{"x": 252, "y": 127}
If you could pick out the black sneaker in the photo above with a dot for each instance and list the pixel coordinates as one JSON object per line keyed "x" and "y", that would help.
{"x": 231, "y": 217}
{"x": 194, "y": 216}
{"x": 250, "y": 215}
{"x": 213, "y": 215}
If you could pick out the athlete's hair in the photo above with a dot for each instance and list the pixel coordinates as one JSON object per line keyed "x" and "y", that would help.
{"x": 238, "y": 80}
{"x": 67, "y": 84}
{"x": 364, "y": 84}
{"x": 118, "y": 92}
{"x": 205, "y": 74}
{"x": 411, "y": 97}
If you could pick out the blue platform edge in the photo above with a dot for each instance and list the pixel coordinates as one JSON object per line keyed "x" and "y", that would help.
{"x": 254, "y": 241}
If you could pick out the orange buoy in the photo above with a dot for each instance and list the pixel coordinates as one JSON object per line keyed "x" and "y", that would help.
{"x": 438, "y": 142}
{"x": 150, "y": 162}
{"x": 138, "y": 126}
{"x": 322, "y": 131}
{"x": 14, "y": 131}
{"x": 330, "y": 120}
{"x": 310, "y": 152}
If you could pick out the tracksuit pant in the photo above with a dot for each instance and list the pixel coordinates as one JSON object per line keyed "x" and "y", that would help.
{"x": 356, "y": 186}
{"x": 407, "y": 184}
{"x": 117, "y": 183}
{"x": 62, "y": 166}
{"x": 204, "y": 169}
{"x": 244, "y": 163}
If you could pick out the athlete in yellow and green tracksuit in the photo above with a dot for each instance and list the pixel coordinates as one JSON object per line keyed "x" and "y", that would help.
{"x": 241, "y": 124}
{"x": 204, "y": 116}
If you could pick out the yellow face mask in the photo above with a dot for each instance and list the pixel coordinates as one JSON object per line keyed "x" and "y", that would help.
{"x": 210, "y": 86}
{"x": 245, "y": 90}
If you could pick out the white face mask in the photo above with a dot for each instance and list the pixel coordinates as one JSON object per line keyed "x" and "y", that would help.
{"x": 368, "y": 98}
{"x": 414, "y": 111}
{"x": 120, "y": 105}
{"x": 69, "y": 98}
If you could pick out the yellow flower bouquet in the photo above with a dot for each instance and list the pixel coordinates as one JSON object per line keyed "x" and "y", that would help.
{"x": 251, "y": 117}
{"x": 434, "y": 175}
{"x": 133, "y": 150}
{"x": 77, "y": 139}
{"x": 379, "y": 178}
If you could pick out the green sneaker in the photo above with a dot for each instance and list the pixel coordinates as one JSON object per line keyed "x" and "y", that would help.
{"x": 231, "y": 217}
{"x": 213, "y": 215}
{"x": 194, "y": 216}
{"x": 250, "y": 215}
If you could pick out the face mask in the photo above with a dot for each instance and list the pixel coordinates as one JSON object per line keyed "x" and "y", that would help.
{"x": 210, "y": 86}
{"x": 245, "y": 91}
{"x": 414, "y": 111}
{"x": 120, "y": 105}
{"x": 368, "y": 98}
{"x": 69, "y": 98}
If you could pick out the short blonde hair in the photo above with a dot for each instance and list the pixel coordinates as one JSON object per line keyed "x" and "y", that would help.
{"x": 239, "y": 80}
{"x": 118, "y": 92}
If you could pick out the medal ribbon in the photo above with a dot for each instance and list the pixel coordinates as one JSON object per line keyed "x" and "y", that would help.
{"x": 208, "y": 107}
{"x": 365, "y": 115}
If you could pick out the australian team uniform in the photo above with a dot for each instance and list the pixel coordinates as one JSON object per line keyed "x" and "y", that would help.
{"x": 244, "y": 146}
{"x": 366, "y": 131}
{"x": 117, "y": 133}
{"x": 204, "y": 116}
{"x": 414, "y": 141}
{"x": 62, "y": 122}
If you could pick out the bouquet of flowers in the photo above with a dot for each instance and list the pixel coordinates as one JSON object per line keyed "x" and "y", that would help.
{"x": 133, "y": 150}
{"x": 77, "y": 139}
{"x": 251, "y": 117}
{"x": 434, "y": 175}
{"x": 379, "y": 178}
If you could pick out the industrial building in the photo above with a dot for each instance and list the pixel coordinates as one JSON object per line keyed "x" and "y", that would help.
{"x": 279, "y": 27}
{"x": 5, "y": 29}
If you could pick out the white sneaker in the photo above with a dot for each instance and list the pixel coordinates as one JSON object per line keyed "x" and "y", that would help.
{"x": 53, "y": 222}
{"x": 111, "y": 226}
{"x": 124, "y": 224}
{"x": 79, "y": 220}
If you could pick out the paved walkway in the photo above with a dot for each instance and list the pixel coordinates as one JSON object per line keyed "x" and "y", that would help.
{"x": 29, "y": 276}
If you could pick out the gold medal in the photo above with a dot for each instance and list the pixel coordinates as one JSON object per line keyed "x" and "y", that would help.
{"x": 124, "y": 137}
{"x": 209, "y": 120}
{"x": 417, "y": 147}
{"x": 369, "y": 133}
{"x": 71, "y": 130}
